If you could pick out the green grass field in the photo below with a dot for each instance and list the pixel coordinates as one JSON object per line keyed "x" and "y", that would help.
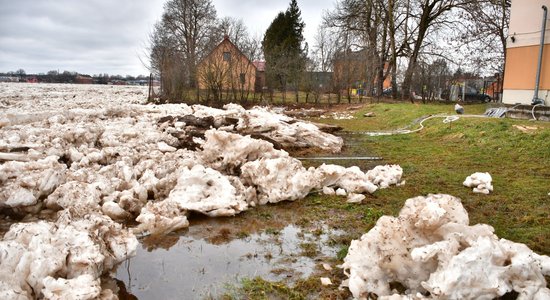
{"x": 437, "y": 160}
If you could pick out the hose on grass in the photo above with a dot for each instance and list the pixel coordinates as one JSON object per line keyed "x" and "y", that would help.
{"x": 533, "y": 110}
{"x": 405, "y": 130}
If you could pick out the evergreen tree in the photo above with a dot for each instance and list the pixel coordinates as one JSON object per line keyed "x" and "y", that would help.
{"x": 283, "y": 51}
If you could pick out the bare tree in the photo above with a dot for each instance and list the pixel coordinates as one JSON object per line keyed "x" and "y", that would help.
{"x": 367, "y": 25}
{"x": 485, "y": 32}
{"x": 425, "y": 16}
{"x": 185, "y": 34}
{"x": 325, "y": 48}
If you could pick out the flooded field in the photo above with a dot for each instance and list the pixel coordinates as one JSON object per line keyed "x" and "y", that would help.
{"x": 195, "y": 267}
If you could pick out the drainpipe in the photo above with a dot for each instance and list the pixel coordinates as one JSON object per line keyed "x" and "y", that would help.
{"x": 536, "y": 99}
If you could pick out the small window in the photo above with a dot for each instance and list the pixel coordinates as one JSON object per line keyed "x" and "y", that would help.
{"x": 242, "y": 77}
{"x": 227, "y": 56}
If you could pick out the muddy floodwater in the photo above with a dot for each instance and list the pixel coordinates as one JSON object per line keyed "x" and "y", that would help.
{"x": 196, "y": 267}
{"x": 353, "y": 153}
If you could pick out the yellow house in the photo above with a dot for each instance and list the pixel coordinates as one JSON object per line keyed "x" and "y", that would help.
{"x": 522, "y": 53}
{"x": 226, "y": 70}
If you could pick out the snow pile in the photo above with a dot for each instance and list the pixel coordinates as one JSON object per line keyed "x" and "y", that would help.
{"x": 338, "y": 116}
{"x": 353, "y": 180}
{"x": 384, "y": 176}
{"x": 62, "y": 260}
{"x": 430, "y": 248}
{"x": 278, "y": 179}
{"x": 23, "y": 183}
{"x": 124, "y": 163}
{"x": 227, "y": 152}
{"x": 239, "y": 172}
{"x": 114, "y": 167}
{"x": 355, "y": 198}
{"x": 260, "y": 122}
{"x": 208, "y": 191}
{"x": 481, "y": 182}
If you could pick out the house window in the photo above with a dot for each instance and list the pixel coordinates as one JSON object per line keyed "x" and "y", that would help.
{"x": 242, "y": 78}
{"x": 227, "y": 56}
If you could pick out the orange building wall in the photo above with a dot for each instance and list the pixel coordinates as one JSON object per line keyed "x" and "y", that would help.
{"x": 521, "y": 68}
{"x": 523, "y": 51}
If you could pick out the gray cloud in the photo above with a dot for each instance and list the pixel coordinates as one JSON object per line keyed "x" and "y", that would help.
{"x": 105, "y": 36}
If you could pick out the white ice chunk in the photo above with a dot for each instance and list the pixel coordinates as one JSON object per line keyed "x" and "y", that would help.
{"x": 278, "y": 179}
{"x": 81, "y": 287}
{"x": 207, "y": 191}
{"x": 480, "y": 182}
{"x": 21, "y": 197}
{"x": 328, "y": 190}
{"x": 227, "y": 152}
{"x": 341, "y": 192}
{"x": 163, "y": 147}
{"x": 431, "y": 248}
{"x": 114, "y": 211}
{"x": 161, "y": 218}
{"x": 39, "y": 256}
{"x": 326, "y": 281}
{"x": 355, "y": 198}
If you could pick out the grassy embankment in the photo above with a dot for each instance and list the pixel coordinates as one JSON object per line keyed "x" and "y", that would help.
{"x": 435, "y": 160}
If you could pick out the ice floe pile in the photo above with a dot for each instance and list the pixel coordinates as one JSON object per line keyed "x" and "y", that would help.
{"x": 30, "y": 97}
{"x": 433, "y": 252}
{"x": 250, "y": 172}
{"x": 86, "y": 167}
{"x": 481, "y": 182}
{"x": 62, "y": 260}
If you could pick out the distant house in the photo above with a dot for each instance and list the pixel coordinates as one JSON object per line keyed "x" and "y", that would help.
{"x": 226, "y": 69}
{"x": 84, "y": 79}
{"x": 522, "y": 53}
{"x": 260, "y": 75}
{"x": 351, "y": 71}
{"x": 320, "y": 79}
{"x": 32, "y": 79}
{"x": 9, "y": 79}
{"x": 493, "y": 89}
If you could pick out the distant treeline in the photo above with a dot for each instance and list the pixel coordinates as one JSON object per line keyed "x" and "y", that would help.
{"x": 73, "y": 77}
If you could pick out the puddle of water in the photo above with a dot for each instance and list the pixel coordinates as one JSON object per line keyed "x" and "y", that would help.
{"x": 194, "y": 268}
{"x": 354, "y": 146}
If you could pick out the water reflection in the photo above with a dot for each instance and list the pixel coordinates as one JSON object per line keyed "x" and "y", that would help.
{"x": 194, "y": 268}
{"x": 355, "y": 145}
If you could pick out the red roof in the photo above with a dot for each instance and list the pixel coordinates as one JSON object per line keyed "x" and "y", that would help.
{"x": 260, "y": 65}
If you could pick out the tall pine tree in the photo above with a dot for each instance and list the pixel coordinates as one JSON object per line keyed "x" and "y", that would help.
{"x": 282, "y": 44}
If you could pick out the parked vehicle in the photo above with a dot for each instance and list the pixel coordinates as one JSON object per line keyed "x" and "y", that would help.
{"x": 473, "y": 95}
{"x": 388, "y": 92}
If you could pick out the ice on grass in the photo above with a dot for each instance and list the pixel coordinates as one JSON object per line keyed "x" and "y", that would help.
{"x": 430, "y": 249}
{"x": 355, "y": 198}
{"x": 278, "y": 179}
{"x": 480, "y": 182}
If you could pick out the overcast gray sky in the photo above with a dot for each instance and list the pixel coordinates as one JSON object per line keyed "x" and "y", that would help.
{"x": 110, "y": 36}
